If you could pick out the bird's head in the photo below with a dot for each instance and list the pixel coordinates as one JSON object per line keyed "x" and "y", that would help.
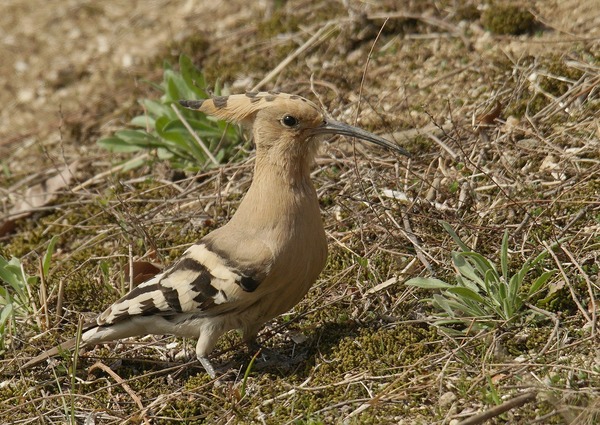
{"x": 284, "y": 125}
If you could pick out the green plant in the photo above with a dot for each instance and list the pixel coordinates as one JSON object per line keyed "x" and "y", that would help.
{"x": 188, "y": 139}
{"x": 15, "y": 293}
{"x": 481, "y": 295}
{"x": 247, "y": 374}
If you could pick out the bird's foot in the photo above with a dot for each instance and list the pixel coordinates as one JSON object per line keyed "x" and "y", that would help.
{"x": 208, "y": 367}
{"x": 221, "y": 373}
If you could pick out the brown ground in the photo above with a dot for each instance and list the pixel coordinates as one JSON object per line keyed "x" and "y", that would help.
{"x": 72, "y": 72}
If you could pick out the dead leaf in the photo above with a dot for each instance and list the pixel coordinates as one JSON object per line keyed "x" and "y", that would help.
{"x": 498, "y": 377}
{"x": 38, "y": 196}
{"x": 7, "y": 227}
{"x": 490, "y": 117}
{"x": 142, "y": 271}
{"x": 383, "y": 285}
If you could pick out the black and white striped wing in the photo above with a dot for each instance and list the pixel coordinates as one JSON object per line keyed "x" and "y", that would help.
{"x": 200, "y": 282}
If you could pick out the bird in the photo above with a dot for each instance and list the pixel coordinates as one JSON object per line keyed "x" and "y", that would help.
{"x": 263, "y": 261}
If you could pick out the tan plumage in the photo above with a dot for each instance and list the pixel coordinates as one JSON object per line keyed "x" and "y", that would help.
{"x": 263, "y": 261}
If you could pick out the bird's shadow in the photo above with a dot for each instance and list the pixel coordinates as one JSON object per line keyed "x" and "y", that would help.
{"x": 278, "y": 356}
{"x": 285, "y": 358}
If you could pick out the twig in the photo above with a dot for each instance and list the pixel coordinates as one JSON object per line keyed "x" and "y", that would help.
{"x": 295, "y": 54}
{"x": 364, "y": 73}
{"x": 554, "y": 318}
{"x": 443, "y": 145}
{"x": 195, "y": 136}
{"x": 410, "y": 235}
{"x": 130, "y": 266}
{"x": 412, "y": 133}
{"x": 428, "y": 20}
{"x": 59, "y": 300}
{"x": 100, "y": 176}
{"x": 498, "y": 410}
{"x": 567, "y": 282}
{"x": 120, "y": 381}
{"x": 589, "y": 287}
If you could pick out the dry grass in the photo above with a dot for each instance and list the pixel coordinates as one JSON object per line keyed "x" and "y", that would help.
{"x": 504, "y": 133}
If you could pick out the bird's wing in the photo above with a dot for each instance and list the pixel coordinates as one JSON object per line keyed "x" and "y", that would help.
{"x": 209, "y": 277}
{"x": 212, "y": 277}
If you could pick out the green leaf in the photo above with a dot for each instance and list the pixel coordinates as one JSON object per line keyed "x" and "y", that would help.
{"x": 466, "y": 293}
{"x": 181, "y": 143}
{"x": 138, "y": 138}
{"x": 454, "y": 236}
{"x": 491, "y": 281}
{"x": 6, "y": 313}
{"x": 514, "y": 286}
{"x": 507, "y": 310}
{"x": 481, "y": 264}
{"x": 540, "y": 281}
{"x": 156, "y": 109}
{"x": 466, "y": 269}
{"x": 7, "y": 275}
{"x": 176, "y": 88}
{"x": 144, "y": 122}
{"x": 466, "y": 283}
{"x": 160, "y": 127}
{"x": 114, "y": 144}
{"x": 427, "y": 283}
{"x": 442, "y": 303}
{"x": 466, "y": 307}
{"x": 192, "y": 77}
{"x": 502, "y": 293}
{"x": 504, "y": 256}
{"x": 48, "y": 256}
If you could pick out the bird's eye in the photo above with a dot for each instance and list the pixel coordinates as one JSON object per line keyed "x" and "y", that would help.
{"x": 289, "y": 121}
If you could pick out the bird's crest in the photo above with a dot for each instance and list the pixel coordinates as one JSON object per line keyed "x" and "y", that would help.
{"x": 242, "y": 107}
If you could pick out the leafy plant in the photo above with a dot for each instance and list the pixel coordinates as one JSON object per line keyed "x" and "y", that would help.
{"x": 15, "y": 293}
{"x": 188, "y": 139}
{"x": 481, "y": 295}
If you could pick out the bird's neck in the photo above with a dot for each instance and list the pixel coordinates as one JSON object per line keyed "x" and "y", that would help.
{"x": 281, "y": 190}
{"x": 291, "y": 172}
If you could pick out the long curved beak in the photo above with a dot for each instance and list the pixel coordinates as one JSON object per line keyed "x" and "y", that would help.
{"x": 335, "y": 127}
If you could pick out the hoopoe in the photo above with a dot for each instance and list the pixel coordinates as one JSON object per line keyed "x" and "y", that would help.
{"x": 263, "y": 261}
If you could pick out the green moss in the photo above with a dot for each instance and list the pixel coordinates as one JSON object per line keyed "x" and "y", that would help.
{"x": 535, "y": 339}
{"x": 508, "y": 19}
{"x": 467, "y": 12}
{"x": 560, "y": 301}
{"x": 280, "y": 22}
{"x": 377, "y": 350}
{"x": 525, "y": 104}
{"x": 197, "y": 45}
{"x": 557, "y": 72}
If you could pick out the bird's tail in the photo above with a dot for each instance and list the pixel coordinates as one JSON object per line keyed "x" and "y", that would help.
{"x": 95, "y": 335}
{"x": 65, "y": 346}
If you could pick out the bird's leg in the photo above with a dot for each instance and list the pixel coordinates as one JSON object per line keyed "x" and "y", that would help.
{"x": 207, "y": 366}
{"x": 249, "y": 335}
{"x": 253, "y": 346}
{"x": 206, "y": 342}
